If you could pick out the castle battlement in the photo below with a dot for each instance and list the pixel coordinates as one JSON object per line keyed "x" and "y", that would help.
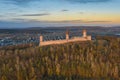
{"x": 67, "y": 40}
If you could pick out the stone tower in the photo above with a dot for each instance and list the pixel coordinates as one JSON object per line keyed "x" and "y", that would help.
{"x": 41, "y": 40}
{"x": 84, "y": 33}
{"x": 67, "y": 35}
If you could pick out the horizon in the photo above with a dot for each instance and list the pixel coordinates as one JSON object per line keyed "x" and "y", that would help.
{"x": 14, "y": 28}
{"x": 55, "y": 13}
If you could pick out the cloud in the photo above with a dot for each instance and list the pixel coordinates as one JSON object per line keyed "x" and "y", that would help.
{"x": 81, "y": 12}
{"x": 87, "y": 1}
{"x": 22, "y": 23}
{"x": 1, "y": 15}
{"x": 42, "y": 14}
{"x": 64, "y": 10}
{"x": 61, "y": 21}
{"x": 25, "y": 2}
{"x": 19, "y": 2}
{"x": 97, "y": 21}
{"x": 78, "y": 21}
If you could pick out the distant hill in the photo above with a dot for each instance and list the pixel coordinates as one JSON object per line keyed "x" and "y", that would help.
{"x": 97, "y": 30}
{"x": 28, "y": 30}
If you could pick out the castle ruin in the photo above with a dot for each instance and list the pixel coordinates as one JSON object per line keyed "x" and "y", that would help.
{"x": 67, "y": 40}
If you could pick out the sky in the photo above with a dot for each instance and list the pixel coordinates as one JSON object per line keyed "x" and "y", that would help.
{"x": 54, "y": 13}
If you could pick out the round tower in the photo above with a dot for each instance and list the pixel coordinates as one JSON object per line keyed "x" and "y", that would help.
{"x": 41, "y": 38}
{"x": 67, "y": 35}
{"x": 84, "y": 33}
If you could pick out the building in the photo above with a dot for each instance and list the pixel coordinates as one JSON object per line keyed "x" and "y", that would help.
{"x": 85, "y": 37}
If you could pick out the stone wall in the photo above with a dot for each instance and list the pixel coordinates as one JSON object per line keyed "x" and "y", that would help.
{"x": 74, "y": 39}
{"x": 43, "y": 43}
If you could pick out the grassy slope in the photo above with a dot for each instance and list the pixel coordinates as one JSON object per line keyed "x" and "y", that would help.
{"x": 73, "y": 61}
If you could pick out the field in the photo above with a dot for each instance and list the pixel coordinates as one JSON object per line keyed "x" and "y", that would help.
{"x": 93, "y": 60}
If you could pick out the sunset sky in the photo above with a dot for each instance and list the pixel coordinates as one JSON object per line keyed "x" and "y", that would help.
{"x": 48, "y": 13}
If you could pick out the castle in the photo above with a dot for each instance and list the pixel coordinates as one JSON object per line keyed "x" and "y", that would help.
{"x": 67, "y": 40}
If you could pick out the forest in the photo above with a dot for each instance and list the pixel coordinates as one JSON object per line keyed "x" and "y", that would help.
{"x": 98, "y": 59}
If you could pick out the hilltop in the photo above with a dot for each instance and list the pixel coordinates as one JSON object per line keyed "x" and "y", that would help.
{"x": 93, "y": 60}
